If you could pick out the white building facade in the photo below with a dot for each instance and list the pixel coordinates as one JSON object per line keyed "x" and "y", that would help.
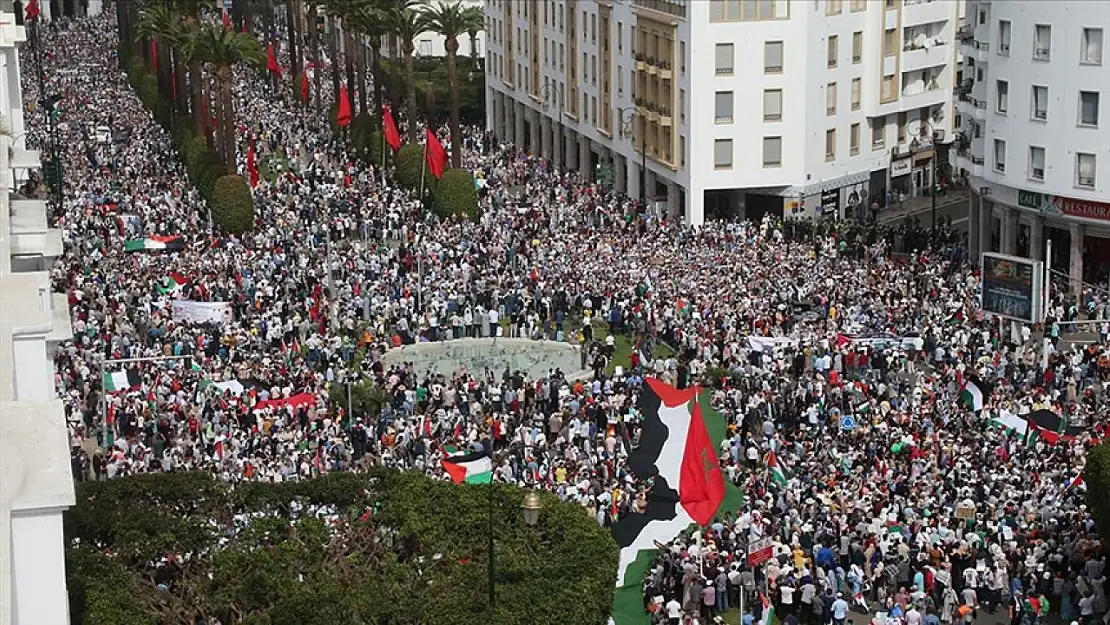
{"x": 1033, "y": 138}
{"x": 36, "y": 483}
{"x": 745, "y": 107}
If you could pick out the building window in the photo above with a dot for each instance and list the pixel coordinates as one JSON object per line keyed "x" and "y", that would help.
{"x": 772, "y": 151}
{"x": 722, "y": 154}
{"x": 830, "y": 145}
{"x": 1040, "y": 103}
{"x": 890, "y": 42}
{"x": 747, "y": 10}
{"x": 772, "y": 105}
{"x": 1036, "y": 163}
{"x": 1002, "y": 96}
{"x": 858, "y": 5}
{"x": 1091, "y": 53}
{"x": 853, "y": 140}
{"x": 682, "y": 105}
{"x": 772, "y": 57}
{"x": 1085, "y": 170}
{"x": 856, "y": 87}
{"x": 830, "y": 99}
{"x": 1042, "y": 42}
{"x": 682, "y": 57}
{"x": 1000, "y": 156}
{"x": 857, "y": 47}
{"x": 723, "y": 107}
{"x": 878, "y": 133}
{"x": 890, "y": 88}
{"x": 1088, "y": 108}
{"x": 834, "y": 43}
{"x": 833, "y": 7}
{"x": 1004, "y": 37}
{"x": 901, "y": 126}
{"x": 424, "y": 48}
{"x": 724, "y": 59}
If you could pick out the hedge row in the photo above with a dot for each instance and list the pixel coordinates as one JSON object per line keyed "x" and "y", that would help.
{"x": 401, "y": 549}
{"x": 228, "y": 196}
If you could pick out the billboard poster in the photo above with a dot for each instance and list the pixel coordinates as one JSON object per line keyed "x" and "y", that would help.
{"x": 1012, "y": 287}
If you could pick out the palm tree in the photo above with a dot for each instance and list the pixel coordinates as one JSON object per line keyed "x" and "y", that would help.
{"x": 161, "y": 26}
{"x": 407, "y": 21}
{"x": 369, "y": 19}
{"x": 476, "y": 17}
{"x": 292, "y": 32}
{"x": 452, "y": 21}
{"x": 222, "y": 50}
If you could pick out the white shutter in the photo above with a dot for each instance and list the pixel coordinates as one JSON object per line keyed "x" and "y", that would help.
{"x": 722, "y": 153}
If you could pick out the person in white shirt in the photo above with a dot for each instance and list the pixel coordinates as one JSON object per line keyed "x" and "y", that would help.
{"x": 674, "y": 611}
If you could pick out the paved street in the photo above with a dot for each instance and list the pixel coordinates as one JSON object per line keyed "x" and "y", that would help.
{"x": 954, "y": 206}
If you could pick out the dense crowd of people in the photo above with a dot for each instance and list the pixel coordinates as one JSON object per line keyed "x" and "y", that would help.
{"x": 341, "y": 268}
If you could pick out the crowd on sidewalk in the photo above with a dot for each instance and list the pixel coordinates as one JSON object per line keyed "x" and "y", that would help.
{"x": 339, "y": 269}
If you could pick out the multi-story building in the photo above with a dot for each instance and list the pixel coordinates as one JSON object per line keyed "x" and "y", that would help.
{"x": 1032, "y": 138}
{"x": 725, "y": 107}
{"x": 433, "y": 44}
{"x": 36, "y": 482}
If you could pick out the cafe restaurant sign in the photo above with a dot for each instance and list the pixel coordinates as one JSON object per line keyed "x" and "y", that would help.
{"x": 1064, "y": 205}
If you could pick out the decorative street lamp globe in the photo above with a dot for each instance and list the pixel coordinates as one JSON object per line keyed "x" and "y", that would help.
{"x": 531, "y": 506}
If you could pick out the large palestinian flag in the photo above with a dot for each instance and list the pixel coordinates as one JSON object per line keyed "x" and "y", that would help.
{"x": 1050, "y": 427}
{"x": 471, "y": 468}
{"x": 118, "y": 381}
{"x": 975, "y": 393}
{"x": 174, "y": 243}
{"x": 677, "y": 452}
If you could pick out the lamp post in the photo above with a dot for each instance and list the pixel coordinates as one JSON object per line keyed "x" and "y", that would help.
{"x": 530, "y": 507}
{"x": 627, "y": 116}
{"x": 549, "y": 95}
{"x": 922, "y": 126}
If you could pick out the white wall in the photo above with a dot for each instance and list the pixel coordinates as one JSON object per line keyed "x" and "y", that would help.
{"x": 38, "y": 557}
{"x": 1059, "y": 134}
{"x": 34, "y": 375}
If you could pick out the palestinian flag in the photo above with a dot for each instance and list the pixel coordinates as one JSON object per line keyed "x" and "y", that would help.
{"x": 1037, "y": 605}
{"x": 974, "y": 393}
{"x": 1010, "y": 422}
{"x": 1076, "y": 481}
{"x": 767, "y": 614}
{"x": 174, "y": 243}
{"x": 172, "y": 283}
{"x": 119, "y": 381}
{"x": 1050, "y": 427}
{"x": 677, "y": 454}
{"x": 775, "y": 470}
{"x": 472, "y": 468}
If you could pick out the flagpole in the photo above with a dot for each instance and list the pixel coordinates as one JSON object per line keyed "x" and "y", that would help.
{"x": 423, "y": 170}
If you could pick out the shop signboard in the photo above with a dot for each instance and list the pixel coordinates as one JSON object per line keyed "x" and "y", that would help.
{"x": 900, "y": 167}
{"x": 1012, "y": 287}
{"x": 830, "y": 203}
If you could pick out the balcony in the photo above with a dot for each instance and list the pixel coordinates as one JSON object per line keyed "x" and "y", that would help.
{"x": 982, "y": 51}
{"x": 917, "y": 56}
{"x": 641, "y": 65}
{"x": 31, "y": 237}
{"x": 966, "y": 33}
{"x": 665, "y": 70}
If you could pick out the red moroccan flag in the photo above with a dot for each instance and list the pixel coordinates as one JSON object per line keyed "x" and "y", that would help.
{"x": 154, "y": 54}
{"x": 271, "y": 61}
{"x": 343, "y": 113}
{"x": 33, "y": 10}
{"x": 434, "y": 154}
{"x": 392, "y": 136}
{"x": 252, "y": 166}
{"x": 227, "y": 21}
{"x": 304, "y": 86}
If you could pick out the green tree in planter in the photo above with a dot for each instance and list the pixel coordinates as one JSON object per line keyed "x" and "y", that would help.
{"x": 369, "y": 148}
{"x": 455, "y": 195}
{"x": 409, "y": 165}
{"x": 232, "y": 204}
{"x": 366, "y": 399}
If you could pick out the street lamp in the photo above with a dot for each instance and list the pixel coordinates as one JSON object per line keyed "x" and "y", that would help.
{"x": 627, "y": 116}
{"x": 922, "y": 126}
{"x": 531, "y": 507}
{"x": 549, "y": 95}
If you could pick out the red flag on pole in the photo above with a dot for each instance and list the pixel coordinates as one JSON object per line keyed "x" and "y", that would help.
{"x": 33, "y": 10}
{"x": 271, "y": 61}
{"x": 343, "y": 112}
{"x": 434, "y": 154}
{"x": 304, "y": 87}
{"x": 227, "y": 21}
{"x": 154, "y": 54}
{"x": 392, "y": 136}
{"x": 252, "y": 166}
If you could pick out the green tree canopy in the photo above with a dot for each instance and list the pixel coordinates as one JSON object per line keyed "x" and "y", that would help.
{"x": 1096, "y": 475}
{"x": 389, "y": 547}
{"x": 455, "y": 195}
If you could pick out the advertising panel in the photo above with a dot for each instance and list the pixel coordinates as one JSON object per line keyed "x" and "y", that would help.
{"x": 1012, "y": 287}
